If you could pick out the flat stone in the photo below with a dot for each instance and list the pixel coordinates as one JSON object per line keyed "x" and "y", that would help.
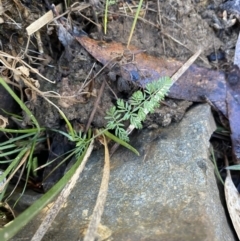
{"x": 168, "y": 193}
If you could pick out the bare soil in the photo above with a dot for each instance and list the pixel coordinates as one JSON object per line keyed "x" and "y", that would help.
{"x": 173, "y": 29}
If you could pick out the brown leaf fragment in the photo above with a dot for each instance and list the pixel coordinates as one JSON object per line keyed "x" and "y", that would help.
{"x": 233, "y": 202}
{"x": 195, "y": 84}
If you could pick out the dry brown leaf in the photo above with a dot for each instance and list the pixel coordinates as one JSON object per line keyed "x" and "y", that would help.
{"x": 233, "y": 202}
{"x": 17, "y": 74}
{"x": 24, "y": 70}
{"x": 31, "y": 94}
{"x": 196, "y": 84}
{"x": 34, "y": 82}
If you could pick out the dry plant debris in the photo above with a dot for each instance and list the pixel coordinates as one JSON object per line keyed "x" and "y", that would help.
{"x": 233, "y": 201}
{"x": 3, "y": 121}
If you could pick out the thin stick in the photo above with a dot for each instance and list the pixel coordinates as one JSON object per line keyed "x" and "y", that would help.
{"x": 185, "y": 46}
{"x": 84, "y": 83}
{"x": 183, "y": 69}
{"x": 95, "y": 105}
{"x": 114, "y": 94}
{"x": 49, "y": 218}
{"x": 101, "y": 199}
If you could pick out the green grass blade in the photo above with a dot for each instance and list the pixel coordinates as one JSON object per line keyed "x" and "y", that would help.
{"x": 70, "y": 128}
{"x": 17, "y": 117}
{"x": 105, "y": 17}
{"x": 215, "y": 166}
{"x": 234, "y": 167}
{"x": 12, "y": 228}
{"x": 10, "y": 152}
{"x": 21, "y": 104}
{"x": 34, "y": 130}
{"x": 15, "y": 139}
{"x": 121, "y": 142}
{"x": 13, "y": 165}
{"x": 28, "y": 167}
{"x": 7, "y": 147}
{"x": 55, "y": 159}
{"x": 6, "y": 161}
{"x": 70, "y": 137}
{"x": 134, "y": 22}
{"x": 2, "y": 194}
{"x": 59, "y": 164}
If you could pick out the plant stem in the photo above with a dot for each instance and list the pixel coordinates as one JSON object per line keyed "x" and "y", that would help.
{"x": 134, "y": 22}
{"x": 21, "y": 104}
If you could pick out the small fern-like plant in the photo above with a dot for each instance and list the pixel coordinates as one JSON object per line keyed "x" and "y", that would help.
{"x": 138, "y": 107}
{"x": 82, "y": 141}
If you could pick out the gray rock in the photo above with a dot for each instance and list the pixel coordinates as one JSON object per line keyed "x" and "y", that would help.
{"x": 169, "y": 193}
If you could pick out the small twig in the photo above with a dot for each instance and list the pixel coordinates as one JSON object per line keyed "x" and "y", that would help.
{"x": 183, "y": 69}
{"x": 49, "y": 218}
{"x": 17, "y": 24}
{"x": 18, "y": 59}
{"x": 177, "y": 41}
{"x": 84, "y": 83}
{"x": 101, "y": 199}
{"x": 7, "y": 206}
{"x": 87, "y": 18}
{"x": 95, "y": 105}
{"x": 73, "y": 8}
{"x": 39, "y": 42}
{"x": 112, "y": 90}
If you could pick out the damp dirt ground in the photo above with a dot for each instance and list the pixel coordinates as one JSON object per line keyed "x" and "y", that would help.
{"x": 169, "y": 29}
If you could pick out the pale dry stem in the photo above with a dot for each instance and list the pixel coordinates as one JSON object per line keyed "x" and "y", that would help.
{"x": 101, "y": 199}
{"x": 54, "y": 210}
